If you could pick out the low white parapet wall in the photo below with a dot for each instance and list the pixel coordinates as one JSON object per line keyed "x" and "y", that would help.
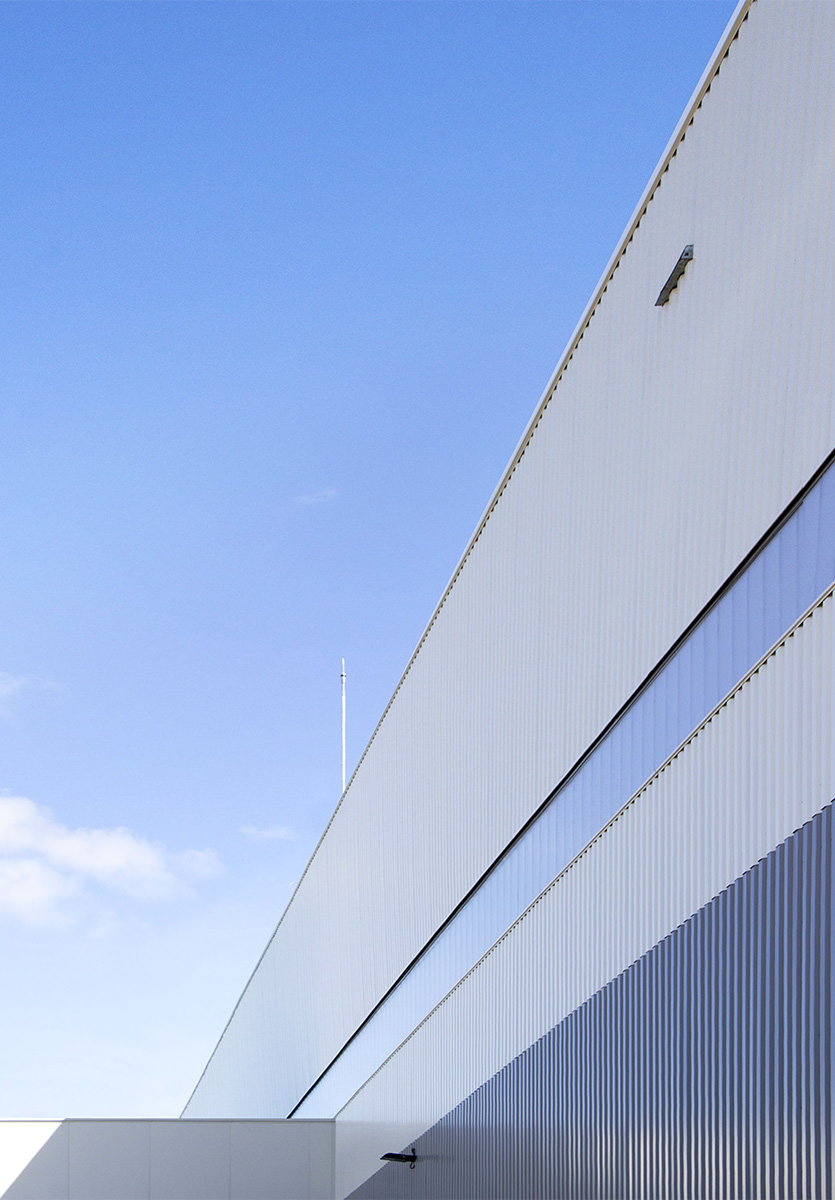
{"x": 166, "y": 1160}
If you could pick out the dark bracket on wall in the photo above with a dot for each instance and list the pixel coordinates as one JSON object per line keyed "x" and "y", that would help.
{"x": 411, "y": 1159}
{"x": 676, "y": 274}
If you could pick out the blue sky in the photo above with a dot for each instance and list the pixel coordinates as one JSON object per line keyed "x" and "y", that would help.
{"x": 281, "y": 287}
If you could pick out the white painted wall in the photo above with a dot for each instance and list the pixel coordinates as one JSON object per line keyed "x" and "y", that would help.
{"x": 667, "y": 443}
{"x": 166, "y": 1160}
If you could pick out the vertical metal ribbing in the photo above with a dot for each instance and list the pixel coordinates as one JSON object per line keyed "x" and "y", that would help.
{"x": 760, "y": 1008}
{"x": 811, "y": 1153}
{"x": 802, "y": 1149}
{"x": 748, "y": 1033}
{"x": 791, "y": 1010}
{"x": 705, "y": 1069}
{"x": 696, "y": 930}
{"x": 613, "y": 1129}
{"x": 716, "y": 1060}
{"x": 619, "y": 1147}
{"x": 814, "y": 901}
{"x": 610, "y": 1135}
{"x": 676, "y": 1079}
{"x": 649, "y": 1073}
{"x": 772, "y": 1052}
{"x": 634, "y": 1110}
{"x": 735, "y": 1083}
{"x": 807, "y": 1149}
{"x": 710, "y": 1051}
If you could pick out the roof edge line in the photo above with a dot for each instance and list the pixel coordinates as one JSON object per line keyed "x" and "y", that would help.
{"x": 731, "y": 30}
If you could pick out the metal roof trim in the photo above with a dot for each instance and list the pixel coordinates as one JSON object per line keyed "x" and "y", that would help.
{"x": 712, "y": 69}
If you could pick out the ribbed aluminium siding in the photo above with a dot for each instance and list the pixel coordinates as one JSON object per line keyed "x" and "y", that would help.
{"x": 704, "y": 1070}
{"x": 791, "y": 571}
{"x": 758, "y": 768}
{"x": 669, "y": 441}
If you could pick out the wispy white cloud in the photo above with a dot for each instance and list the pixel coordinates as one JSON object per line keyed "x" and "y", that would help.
{"x": 320, "y": 497}
{"x": 12, "y": 687}
{"x": 44, "y": 864}
{"x": 275, "y": 833}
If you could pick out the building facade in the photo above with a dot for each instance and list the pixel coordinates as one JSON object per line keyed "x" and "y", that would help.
{"x": 569, "y": 930}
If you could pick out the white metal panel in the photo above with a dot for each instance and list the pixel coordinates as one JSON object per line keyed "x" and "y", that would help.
{"x": 271, "y": 1158}
{"x": 668, "y": 442}
{"x": 112, "y": 1166}
{"x": 190, "y": 1160}
{"x": 166, "y": 1160}
{"x": 758, "y": 768}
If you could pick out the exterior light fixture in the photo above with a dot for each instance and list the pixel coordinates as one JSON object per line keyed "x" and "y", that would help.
{"x": 411, "y": 1159}
{"x": 675, "y": 275}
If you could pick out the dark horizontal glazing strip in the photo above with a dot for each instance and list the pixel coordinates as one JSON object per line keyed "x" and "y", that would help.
{"x": 779, "y": 582}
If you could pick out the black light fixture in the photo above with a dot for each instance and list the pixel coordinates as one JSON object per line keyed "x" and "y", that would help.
{"x": 411, "y": 1159}
{"x": 676, "y": 274}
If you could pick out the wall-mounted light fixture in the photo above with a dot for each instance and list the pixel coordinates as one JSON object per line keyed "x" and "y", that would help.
{"x": 676, "y": 274}
{"x": 411, "y": 1159}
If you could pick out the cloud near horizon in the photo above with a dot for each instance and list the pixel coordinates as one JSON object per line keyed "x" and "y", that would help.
{"x": 275, "y": 833}
{"x": 320, "y": 497}
{"x": 45, "y": 866}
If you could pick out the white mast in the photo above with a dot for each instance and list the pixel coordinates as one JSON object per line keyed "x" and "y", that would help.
{"x": 343, "y": 725}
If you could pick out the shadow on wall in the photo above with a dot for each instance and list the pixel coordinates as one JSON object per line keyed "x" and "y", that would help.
{"x": 166, "y": 1160}
{"x": 31, "y": 1151}
{"x": 704, "y": 1069}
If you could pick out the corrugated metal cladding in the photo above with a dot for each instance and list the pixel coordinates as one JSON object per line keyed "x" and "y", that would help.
{"x": 669, "y": 441}
{"x": 759, "y": 767}
{"x": 780, "y": 583}
{"x": 705, "y": 1070}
